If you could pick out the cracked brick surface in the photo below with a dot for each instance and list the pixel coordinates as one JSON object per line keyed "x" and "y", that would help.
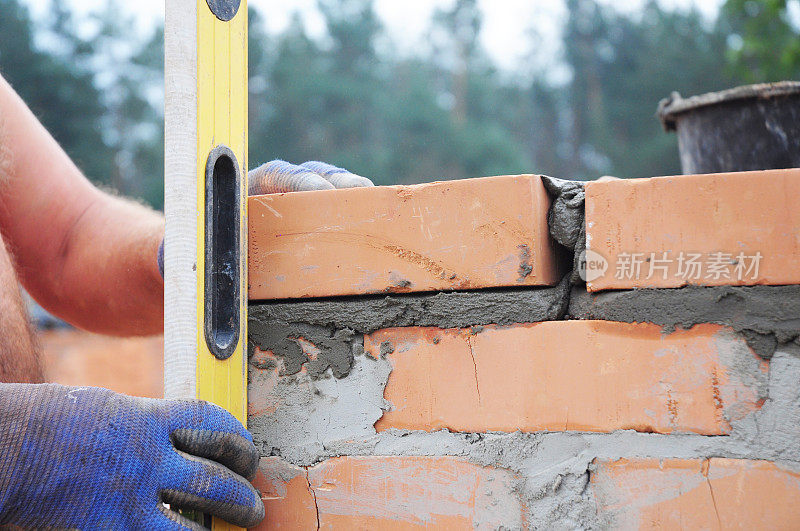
{"x": 568, "y": 375}
{"x": 388, "y": 492}
{"x": 288, "y": 499}
{"x": 696, "y": 494}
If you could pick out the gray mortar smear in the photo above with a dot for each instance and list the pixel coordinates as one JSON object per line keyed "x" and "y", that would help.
{"x": 329, "y": 418}
{"x": 336, "y": 325}
{"x": 525, "y": 267}
{"x": 767, "y": 316}
{"x": 566, "y": 211}
{"x": 566, "y": 218}
{"x": 337, "y": 347}
{"x": 307, "y": 414}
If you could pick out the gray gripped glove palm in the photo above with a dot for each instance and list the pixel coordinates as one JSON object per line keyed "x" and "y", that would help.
{"x": 89, "y": 458}
{"x": 279, "y": 176}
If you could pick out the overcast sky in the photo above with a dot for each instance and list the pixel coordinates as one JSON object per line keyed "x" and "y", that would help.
{"x": 505, "y": 21}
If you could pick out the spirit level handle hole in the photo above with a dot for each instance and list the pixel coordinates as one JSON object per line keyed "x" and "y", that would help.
{"x": 224, "y": 10}
{"x": 223, "y": 253}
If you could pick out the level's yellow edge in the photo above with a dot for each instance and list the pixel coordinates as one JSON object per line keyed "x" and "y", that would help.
{"x": 221, "y": 119}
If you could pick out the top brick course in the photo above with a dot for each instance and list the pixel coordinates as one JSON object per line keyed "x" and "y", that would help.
{"x": 717, "y": 229}
{"x": 454, "y": 235}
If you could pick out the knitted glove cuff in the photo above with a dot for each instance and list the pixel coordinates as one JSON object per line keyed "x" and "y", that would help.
{"x": 160, "y": 258}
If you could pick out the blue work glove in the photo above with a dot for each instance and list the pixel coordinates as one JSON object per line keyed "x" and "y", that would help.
{"x": 89, "y": 458}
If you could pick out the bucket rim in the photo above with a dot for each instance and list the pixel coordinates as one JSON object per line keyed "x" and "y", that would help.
{"x": 669, "y": 108}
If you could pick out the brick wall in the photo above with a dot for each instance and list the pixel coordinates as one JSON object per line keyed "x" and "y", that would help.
{"x": 427, "y": 356}
{"x": 133, "y": 366}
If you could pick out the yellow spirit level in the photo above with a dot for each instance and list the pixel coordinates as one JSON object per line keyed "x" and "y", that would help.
{"x": 221, "y": 204}
{"x": 205, "y": 282}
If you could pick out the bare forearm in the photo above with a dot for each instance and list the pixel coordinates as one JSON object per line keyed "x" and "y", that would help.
{"x": 86, "y": 256}
{"x": 110, "y": 281}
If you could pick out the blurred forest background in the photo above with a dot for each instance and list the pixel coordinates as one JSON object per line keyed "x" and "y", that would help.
{"x": 447, "y": 113}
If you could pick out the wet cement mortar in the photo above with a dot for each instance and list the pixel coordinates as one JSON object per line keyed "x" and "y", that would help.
{"x": 336, "y": 326}
{"x": 767, "y": 316}
{"x": 326, "y": 418}
{"x": 330, "y": 408}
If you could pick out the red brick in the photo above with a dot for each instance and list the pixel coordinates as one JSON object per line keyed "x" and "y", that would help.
{"x": 565, "y": 375}
{"x": 414, "y": 492}
{"x": 389, "y": 493}
{"x": 288, "y": 499}
{"x": 473, "y": 233}
{"x": 729, "y": 213}
{"x": 133, "y": 366}
{"x": 696, "y": 494}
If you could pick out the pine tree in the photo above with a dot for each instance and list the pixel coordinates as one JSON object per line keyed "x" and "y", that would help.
{"x": 57, "y": 84}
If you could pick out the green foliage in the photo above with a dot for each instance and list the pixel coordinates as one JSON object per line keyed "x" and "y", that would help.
{"x": 621, "y": 67}
{"x": 348, "y": 98}
{"x": 58, "y": 86}
{"x": 128, "y": 71}
{"x": 394, "y": 120}
{"x": 764, "y": 43}
{"x": 91, "y": 92}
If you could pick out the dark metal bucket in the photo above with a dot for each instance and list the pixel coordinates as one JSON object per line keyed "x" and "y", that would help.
{"x": 753, "y": 127}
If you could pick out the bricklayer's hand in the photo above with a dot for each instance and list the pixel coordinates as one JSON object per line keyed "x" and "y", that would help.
{"x": 280, "y": 176}
{"x": 89, "y": 458}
